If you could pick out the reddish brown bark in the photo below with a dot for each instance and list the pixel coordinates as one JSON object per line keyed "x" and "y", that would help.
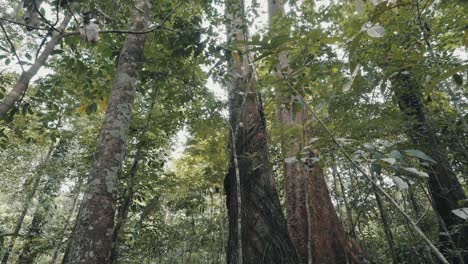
{"x": 263, "y": 237}
{"x": 315, "y": 229}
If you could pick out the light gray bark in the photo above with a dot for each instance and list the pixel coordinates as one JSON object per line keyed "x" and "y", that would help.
{"x": 91, "y": 242}
{"x": 22, "y": 84}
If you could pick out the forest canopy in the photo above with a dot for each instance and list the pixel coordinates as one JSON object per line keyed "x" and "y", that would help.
{"x": 233, "y": 131}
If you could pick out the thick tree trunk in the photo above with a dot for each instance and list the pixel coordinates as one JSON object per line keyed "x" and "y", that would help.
{"x": 316, "y": 231}
{"x": 446, "y": 191}
{"x": 264, "y": 237}
{"x": 92, "y": 239}
{"x": 18, "y": 90}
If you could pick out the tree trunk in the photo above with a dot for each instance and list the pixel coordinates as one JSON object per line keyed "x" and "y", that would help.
{"x": 264, "y": 236}
{"x": 122, "y": 213}
{"x": 26, "y": 205}
{"x": 446, "y": 191}
{"x": 28, "y": 254}
{"x": 386, "y": 227}
{"x": 91, "y": 242}
{"x": 68, "y": 220}
{"x": 20, "y": 88}
{"x": 316, "y": 231}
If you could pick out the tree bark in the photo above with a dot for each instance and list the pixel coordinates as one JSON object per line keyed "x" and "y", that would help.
{"x": 91, "y": 242}
{"x": 20, "y": 87}
{"x": 446, "y": 191}
{"x": 316, "y": 231}
{"x": 264, "y": 237}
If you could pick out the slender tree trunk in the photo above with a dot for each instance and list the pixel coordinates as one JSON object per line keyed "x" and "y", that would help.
{"x": 122, "y": 213}
{"x": 386, "y": 227}
{"x": 264, "y": 237}
{"x": 316, "y": 231}
{"x": 28, "y": 254}
{"x": 26, "y": 205}
{"x": 20, "y": 88}
{"x": 345, "y": 201}
{"x": 446, "y": 191}
{"x": 91, "y": 242}
{"x": 58, "y": 246}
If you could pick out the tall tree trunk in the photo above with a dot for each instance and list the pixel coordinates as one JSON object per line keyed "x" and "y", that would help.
{"x": 264, "y": 237}
{"x": 26, "y": 205}
{"x": 124, "y": 208}
{"x": 446, "y": 191}
{"x": 28, "y": 254}
{"x": 316, "y": 231}
{"x": 91, "y": 242}
{"x": 20, "y": 88}
{"x": 122, "y": 212}
{"x": 386, "y": 227}
{"x": 58, "y": 245}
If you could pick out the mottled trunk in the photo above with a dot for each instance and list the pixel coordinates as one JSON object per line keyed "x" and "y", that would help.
{"x": 315, "y": 229}
{"x": 26, "y": 205}
{"x": 20, "y": 88}
{"x": 446, "y": 191}
{"x": 264, "y": 236}
{"x": 91, "y": 242}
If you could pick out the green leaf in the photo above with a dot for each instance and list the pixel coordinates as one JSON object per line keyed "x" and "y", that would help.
{"x": 91, "y": 108}
{"x": 395, "y": 154}
{"x": 461, "y": 212}
{"x": 390, "y": 161}
{"x": 417, "y": 172}
{"x": 419, "y": 154}
{"x": 56, "y": 52}
{"x": 458, "y": 79}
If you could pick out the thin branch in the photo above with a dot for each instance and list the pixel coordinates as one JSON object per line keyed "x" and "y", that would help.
{"x": 21, "y": 24}
{"x": 12, "y": 46}
{"x": 43, "y": 18}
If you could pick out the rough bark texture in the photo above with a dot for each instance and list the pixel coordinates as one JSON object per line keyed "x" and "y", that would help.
{"x": 315, "y": 229}
{"x": 446, "y": 191}
{"x": 264, "y": 233}
{"x": 15, "y": 94}
{"x": 92, "y": 239}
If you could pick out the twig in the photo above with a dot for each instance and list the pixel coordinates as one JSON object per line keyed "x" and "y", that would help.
{"x": 21, "y": 24}
{"x": 12, "y": 46}
{"x": 45, "y": 19}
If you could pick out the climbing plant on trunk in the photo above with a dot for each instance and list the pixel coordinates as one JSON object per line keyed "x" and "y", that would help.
{"x": 264, "y": 237}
